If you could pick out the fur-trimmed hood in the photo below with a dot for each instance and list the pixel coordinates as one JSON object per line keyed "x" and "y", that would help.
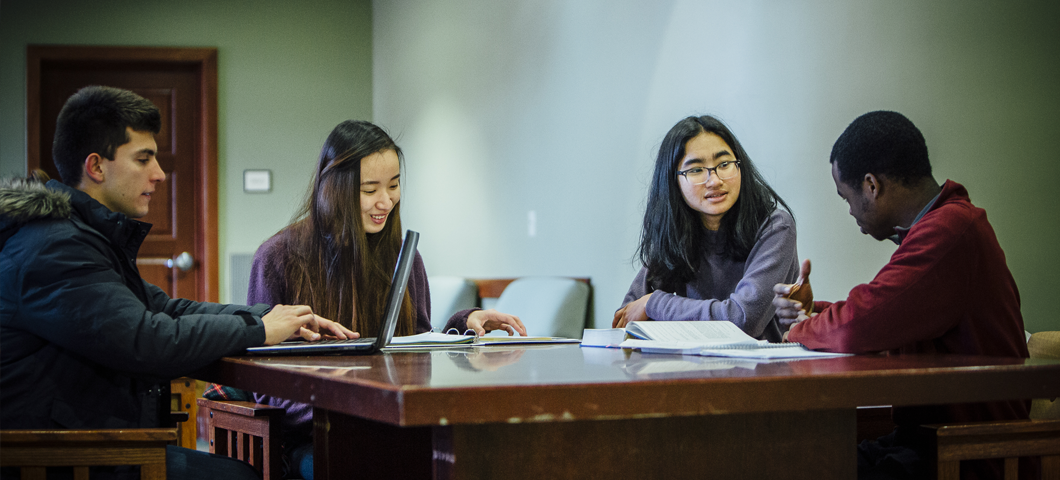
{"x": 22, "y": 201}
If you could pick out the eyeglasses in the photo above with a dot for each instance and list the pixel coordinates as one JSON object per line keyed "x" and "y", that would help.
{"x": 700, "y": 175}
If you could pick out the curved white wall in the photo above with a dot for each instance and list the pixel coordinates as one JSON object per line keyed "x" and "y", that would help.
{"x": 505, "y": 107}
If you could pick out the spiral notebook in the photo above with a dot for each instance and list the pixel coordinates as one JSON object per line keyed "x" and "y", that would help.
{"x": 359, "y": 346}
{"x": 716, "y": 339}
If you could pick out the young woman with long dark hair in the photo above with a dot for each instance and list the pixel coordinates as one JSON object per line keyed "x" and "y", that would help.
{"x": 339, "y": 255}
{"x": 714, "y": 240}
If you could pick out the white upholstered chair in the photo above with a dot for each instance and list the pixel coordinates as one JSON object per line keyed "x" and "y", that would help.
{"x": 548, "y": 306}
{"x": 448, "y": 296}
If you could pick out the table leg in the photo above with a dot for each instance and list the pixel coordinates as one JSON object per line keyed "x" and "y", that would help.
{"x": 818, "y": 445}
{"x": 351, "y": 447}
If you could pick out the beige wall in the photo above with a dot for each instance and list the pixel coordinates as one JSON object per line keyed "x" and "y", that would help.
{"x": 557, "y": 107}
{"x": 288, "y": 72}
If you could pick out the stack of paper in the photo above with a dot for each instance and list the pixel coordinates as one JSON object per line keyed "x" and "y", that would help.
{"x": 721, "y": 339}
{"x": 603, "y": 337}
{"x": 520, "y": 340}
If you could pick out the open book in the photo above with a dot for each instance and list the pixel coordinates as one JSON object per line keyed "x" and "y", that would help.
{"x": 697, "y": 338}
{"x": 441, "y": 340}
{"x": 694, "y": 334}
{"x": 431, "y": 339}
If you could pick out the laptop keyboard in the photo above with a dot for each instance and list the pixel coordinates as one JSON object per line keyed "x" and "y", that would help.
{"x": 352, "y": 341}
{"x": 333, "y": 341}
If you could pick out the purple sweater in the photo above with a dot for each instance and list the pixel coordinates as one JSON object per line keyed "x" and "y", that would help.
{"x": 737, "y": 291}
{"x": 268, "y": 284}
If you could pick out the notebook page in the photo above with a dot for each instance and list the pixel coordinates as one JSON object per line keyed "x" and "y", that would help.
{"x": 699, "y": 332}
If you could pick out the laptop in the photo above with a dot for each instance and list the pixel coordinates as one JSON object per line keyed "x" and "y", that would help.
{"x": 359, "y": 346}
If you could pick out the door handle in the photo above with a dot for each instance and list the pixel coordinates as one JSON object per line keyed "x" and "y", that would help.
{"x": 184, "y": 262}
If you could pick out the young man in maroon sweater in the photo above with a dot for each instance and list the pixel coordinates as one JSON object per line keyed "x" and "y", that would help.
{"x": 947, "y": 289}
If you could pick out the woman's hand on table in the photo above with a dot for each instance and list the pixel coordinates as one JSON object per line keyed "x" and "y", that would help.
{"x": 485, "y": 321}
{"x": 635, "y": 311}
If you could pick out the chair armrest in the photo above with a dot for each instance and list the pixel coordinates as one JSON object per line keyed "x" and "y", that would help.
{"x": 17, "y": 437}
{"x": 246, "y": 409}
{"x": 995, "y": 439}
{"x": 1007, "y": 427}
{"x": 245, "y": 431}
{"x": 34, "y": 451}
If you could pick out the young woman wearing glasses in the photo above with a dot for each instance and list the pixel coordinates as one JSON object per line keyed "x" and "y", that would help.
{"x": 714, "y": 240}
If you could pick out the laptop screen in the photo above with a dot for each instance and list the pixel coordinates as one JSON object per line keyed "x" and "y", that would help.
{"x": 397, "y": 288}
{"x": 387, "y": 326}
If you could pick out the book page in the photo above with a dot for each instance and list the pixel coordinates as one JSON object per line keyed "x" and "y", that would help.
{"x": 688, "y": 347}
{"x": 431, "y": 338}
{"x": 719, "y": 332}
{"x": 792, "y": 351}
{"x": 738, "y": 350}
{"x": 518, "y": 339}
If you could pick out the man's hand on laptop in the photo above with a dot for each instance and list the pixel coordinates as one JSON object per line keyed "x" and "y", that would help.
{"x": 326, "y": 328}
{"x": 483, "y": 321}
{"x": 286, "y": 321}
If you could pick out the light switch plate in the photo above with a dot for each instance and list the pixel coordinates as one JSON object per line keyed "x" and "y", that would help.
{"x": 257, "y": 181}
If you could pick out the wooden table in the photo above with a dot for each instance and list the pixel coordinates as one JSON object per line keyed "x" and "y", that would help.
{"x": 561, "y": 411}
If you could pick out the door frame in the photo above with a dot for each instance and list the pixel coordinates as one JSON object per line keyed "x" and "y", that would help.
{"x": 204, "y": 62}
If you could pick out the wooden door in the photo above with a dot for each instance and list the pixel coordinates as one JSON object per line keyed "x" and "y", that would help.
{"x": 182, "y": 84}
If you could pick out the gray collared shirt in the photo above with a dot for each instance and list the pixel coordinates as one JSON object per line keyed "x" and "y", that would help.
{"x": 895, "y": 238}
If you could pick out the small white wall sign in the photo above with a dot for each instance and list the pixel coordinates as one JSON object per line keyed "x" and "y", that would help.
{"x": 257, "y": 181}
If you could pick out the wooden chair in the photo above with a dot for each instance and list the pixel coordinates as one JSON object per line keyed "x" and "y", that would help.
{"x": 36, "y": 450}
{"x": 184, "y": 391}
{"x": 245, "y": 431}
{"x": 1039, "y": 436}
{"x": 1008, "y": 440}
{"x": 493, "y": 287}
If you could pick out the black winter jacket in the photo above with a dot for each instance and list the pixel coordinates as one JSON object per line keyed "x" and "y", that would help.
{"x": 84, "y": 341}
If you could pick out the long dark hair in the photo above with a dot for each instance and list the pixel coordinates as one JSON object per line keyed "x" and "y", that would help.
{"x": 671, "y": 241}
{"x": 335, "y": 267}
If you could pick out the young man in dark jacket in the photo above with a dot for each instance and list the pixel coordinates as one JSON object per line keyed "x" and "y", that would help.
{"x": 85, "y": 343}
{"x": 927, "y": 299}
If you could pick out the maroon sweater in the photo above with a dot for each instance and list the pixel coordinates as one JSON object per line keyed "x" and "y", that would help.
{"x": 947, "y": 289}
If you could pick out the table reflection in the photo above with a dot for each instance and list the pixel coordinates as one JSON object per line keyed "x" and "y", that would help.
{"x": 483, "y": 359}
{"x": 567, "y": 364}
